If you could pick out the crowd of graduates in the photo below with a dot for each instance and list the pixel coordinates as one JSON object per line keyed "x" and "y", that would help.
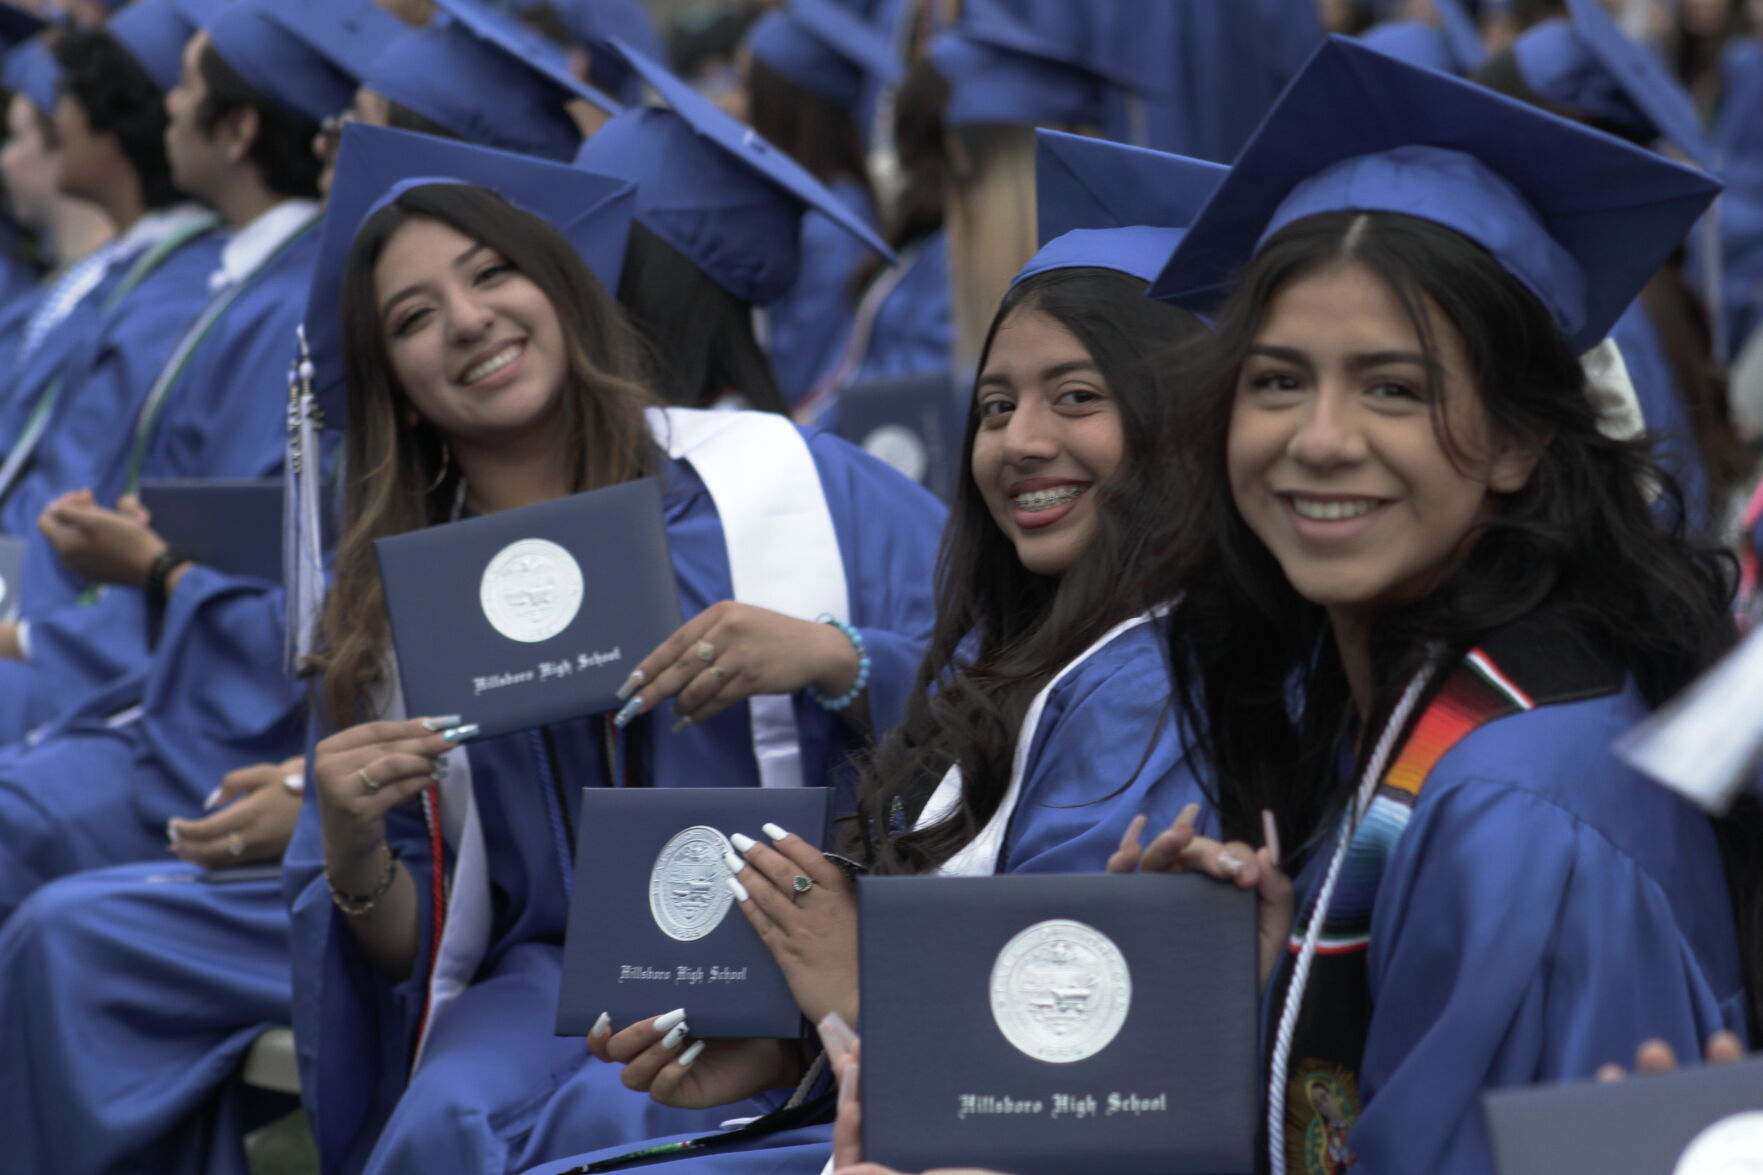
{"x": 1353, "y": 460}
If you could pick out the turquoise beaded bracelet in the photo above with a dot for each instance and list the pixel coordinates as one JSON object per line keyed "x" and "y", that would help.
{"x": 862, "y": 682}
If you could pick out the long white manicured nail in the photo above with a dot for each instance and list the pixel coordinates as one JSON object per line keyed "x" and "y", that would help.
{"x": 734, "y": 863}
{"x": 773, "y": 831}
{"x": 171, "y": 830}
{"x": 673, "y": 1018}
{"x": 626, "y": 712}
{"x": 1229, "y": 864}
{"x": 458, "y": 734}
{"x": 442, "y": 723}
{"x": 686, "y": 1058}
{"x": 602, "y": 1027}
{"x": 741, "y": 841}
{"x": 631, "y": 685}
{"x": 1270, "y": 834}
{"x": 672, "y": 1039}
{"x": 739, "y": 890}
{"x": 212, "y": 799}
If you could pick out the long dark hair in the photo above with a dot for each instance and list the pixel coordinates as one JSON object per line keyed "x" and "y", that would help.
{"x": 814, "y": 131}
{"x": 1580, "y": 539}
{"x": 1002, "y": 631}
{"x": 397, "y": 477}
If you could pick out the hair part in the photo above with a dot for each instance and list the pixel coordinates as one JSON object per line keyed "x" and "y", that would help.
{"x": 397, "y": 478}
{"x": 1003, "y": 631}
{"x": 282, "y": 151}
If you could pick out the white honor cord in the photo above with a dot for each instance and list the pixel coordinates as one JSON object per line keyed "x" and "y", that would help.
{"x": 1294, "y": 1001}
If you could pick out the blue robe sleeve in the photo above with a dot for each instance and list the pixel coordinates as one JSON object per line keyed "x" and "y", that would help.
{"x": 1107, "y": 749}
{"x": 889, "y": 530}
{"x": 1545, "y": 912}
{"x": 808, "y": 327}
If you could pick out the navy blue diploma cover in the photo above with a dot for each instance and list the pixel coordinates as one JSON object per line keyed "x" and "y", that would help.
{"x": 234, "y": 527}
{"x": 1059, "y": 1025}
{"x": 11, "y": 565}
{"x": 1705, "y": 1118}
{"x": 914, "y": 424}
{"x": 652, "y": 921}
{"x": 526, "y": 617}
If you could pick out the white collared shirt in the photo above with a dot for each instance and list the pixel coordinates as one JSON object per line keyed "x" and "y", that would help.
{"x": 253, "y": 244}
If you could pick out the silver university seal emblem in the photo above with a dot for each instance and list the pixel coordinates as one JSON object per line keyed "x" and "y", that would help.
{"x": 899, "y": 447}
{"x": 1732, "y": 1146}
{"x": 531, "y": 590}
{"x": 1060, "y": 991}
{"x": 688, "y": 888}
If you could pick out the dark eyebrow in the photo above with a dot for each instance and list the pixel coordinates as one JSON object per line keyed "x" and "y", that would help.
{"x": 1047, "y": 375}
{"x": 1360, "y": 362}
{"x": 411, "y": 291}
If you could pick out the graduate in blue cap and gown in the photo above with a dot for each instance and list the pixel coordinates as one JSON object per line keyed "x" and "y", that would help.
{"x": 243, "y": 117}
{"x": 594, "y": 25}
{"x": 1452, "y": 45}
{"x": 1064, "y": 400}
{"x": 476, "y": 74}
{"x": 1487, "y": 895}
{"x": 810, "y": 67}
{"x": 426, "y": 1031}
{"x": 720, "y": 230}
{"x": 1587, "y": 68}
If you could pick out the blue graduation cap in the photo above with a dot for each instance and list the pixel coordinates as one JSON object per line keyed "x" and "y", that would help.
{"x": 154, "y": 33}
{"x": 1113, "y": 206}
{"x": 30, "y": 70}
{"x": 1467, "y": 47}
{"x": 374, "y": 163}
{"x": 286, "y": 54}
{"x": 1009, "y": 66}
{"x": 825, "y": 47}
{"x": 488, "y": 79}
{"x": 1588, "y": 64}
{"x": 597, "y": 23}
{"x": 713, "y": 188}
{"x": 1413, "y": 41}
{"x": 1582, "y": 218}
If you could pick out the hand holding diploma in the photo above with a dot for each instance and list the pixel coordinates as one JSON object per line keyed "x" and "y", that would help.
{"x": 810, "y": 929}
{"x": 660, "y": 1059}
{"x": 1179, "y": 849}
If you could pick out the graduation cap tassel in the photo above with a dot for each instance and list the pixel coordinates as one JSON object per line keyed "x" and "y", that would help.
{"x": 302, "y": 540}
{"x": 1706, "y": 743}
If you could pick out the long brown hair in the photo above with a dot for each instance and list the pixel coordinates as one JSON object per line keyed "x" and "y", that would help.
{"x": 396, "y": 475}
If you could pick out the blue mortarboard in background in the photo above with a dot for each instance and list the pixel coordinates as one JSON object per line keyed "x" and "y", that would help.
{"x": 1113, "y": 206}
{"x": 285, "y": 54}
{"x": 1413, "y": 41}
{"x": 825, "y": 47}
{"x": 715, "y": 189}
{"x": 1581, "y": 218}
{"x": 488, "y": 79}
{"x": 1004, "y": 70}
{"x": 593, "y": 211}
{"x": 31, "y": 70}
{"x": 1590, "y": 65}
{"x": 1461, "y": 34}
{"x": 595, "y": 24}
{"x": 18, "y": 25}
{"x": 154, "y": 33}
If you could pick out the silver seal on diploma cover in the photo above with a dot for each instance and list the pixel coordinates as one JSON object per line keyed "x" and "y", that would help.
{"x": 1060, "y": 991}
{"x": 688, "y": 888}
{"x": 1732, "y": 1146}
{"x": 899, "y": 447}
{"x": 531, "y": 590}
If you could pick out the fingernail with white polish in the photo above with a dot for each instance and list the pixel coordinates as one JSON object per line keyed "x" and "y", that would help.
{"x": 686, "y": 1058}
{"x": 672, "y": 1039}
{"x": 627, "y": 712}
{"x": 734, "y": 863}
{"x": 631, "y": 685}
{"x": 848, "y": 1083}
{"x": 602, "y": 1027}
{"x": 739, "y": 890}
{"x": 675, "y": 1017}
{"x": 171, "y": 830}
{"x": 1270, "y": 835}
{"x": 441, "y": 723}
{"x": 682, "y": 724}
{"x": 1229, "y": 864}
{"x": 459, "y": 734}
{"x": 212, "y": 799}
{"x": 773, "y": 831}
{"x": 741, "y": 841}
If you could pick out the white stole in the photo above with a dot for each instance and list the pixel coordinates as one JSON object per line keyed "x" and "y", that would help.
{"x": 979, "y": 857}
{"x": 783, "y": 554}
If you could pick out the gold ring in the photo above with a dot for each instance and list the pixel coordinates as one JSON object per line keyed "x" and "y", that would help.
{"x": 369, "y": 782}
{"x": 706, "y": 652}
{"x": 721, "y": 673}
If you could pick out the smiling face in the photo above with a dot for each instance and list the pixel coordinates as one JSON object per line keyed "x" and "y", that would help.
{"x": 476, "y": 345}
{"x": 1049, "y": 435}
{"x": 1335, "y": 454}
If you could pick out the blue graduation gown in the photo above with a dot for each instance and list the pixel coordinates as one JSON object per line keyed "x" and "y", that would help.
{"x": 808, "y": 327}
{"x": 128, "y": 998}
{"x": 1107, "y": 749}
{"x": 497, "y": 1090}
{"x": 914, "y": 329}
{"x": 224, "y": 418}
{"x": 1545, "y": 911}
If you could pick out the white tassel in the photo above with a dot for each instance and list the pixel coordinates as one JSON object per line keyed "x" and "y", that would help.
{"x": 302, "y": 528}
{"x": 1611, "y": 391}
{"x": 1705, "y": 744}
